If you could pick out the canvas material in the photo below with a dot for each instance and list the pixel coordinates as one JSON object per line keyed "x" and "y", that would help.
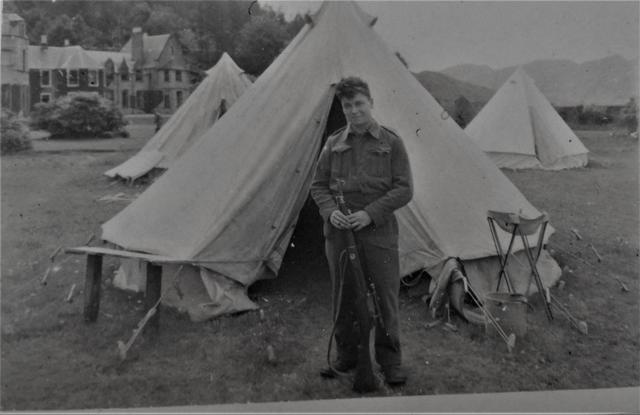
{"x": 225, "y": 81}
{"x": 197, "y": 291}
{"x": 519, "y": 123}
{"x": 503, "y": 125}
{"x": 231, "y": 202}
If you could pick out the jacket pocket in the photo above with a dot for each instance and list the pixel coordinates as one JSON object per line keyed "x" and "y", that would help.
{"x": 378, "y": 161}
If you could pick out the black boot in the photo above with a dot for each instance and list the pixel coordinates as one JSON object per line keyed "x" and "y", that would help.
{"x": 394, "y": 375}
{"x": 338, "y": 367}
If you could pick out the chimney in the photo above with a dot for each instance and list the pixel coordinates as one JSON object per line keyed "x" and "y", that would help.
{"x": 136, "y": 46}
{"x": 66, "y": 42}
{"x": 43, "y": 41}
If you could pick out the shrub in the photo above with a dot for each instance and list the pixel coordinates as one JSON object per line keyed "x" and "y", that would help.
{"x": 82, "y": 115}
{"x": 14, "y": 134}
{"x": 630, "y": 122}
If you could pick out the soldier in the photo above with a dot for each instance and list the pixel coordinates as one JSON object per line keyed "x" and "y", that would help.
{"x": 372, "y": 163}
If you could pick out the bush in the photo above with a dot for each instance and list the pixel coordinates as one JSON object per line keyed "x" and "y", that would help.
{"x": 82, "y": 115}
{"x": 630, "y": 122}
{"x": 14, "y": 134}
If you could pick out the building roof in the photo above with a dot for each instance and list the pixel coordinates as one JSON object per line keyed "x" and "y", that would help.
{"x": 81, "y": 59}
{"x": 152, "y": 46}
{"x": 57, "y": 57}
{"x": 103, "y": 56}
{"x": 74, "y": 57}
{"x": 11, "y": 17}
{"x": 13, "y": 25}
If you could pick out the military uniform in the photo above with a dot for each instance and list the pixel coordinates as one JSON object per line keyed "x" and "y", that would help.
{"x": 377, "y": 179}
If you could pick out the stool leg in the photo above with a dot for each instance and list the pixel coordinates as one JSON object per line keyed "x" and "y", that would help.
{"x": 93, "y": 279}
{"x": 501, "y": 256}
{"x": 153, "y": 292}
{"x": 536, "y": 276}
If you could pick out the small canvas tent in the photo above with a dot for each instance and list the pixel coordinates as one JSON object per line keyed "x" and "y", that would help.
{"x": 222, "y": 86}
{"x": 519, "y": 129}
{"x": 230, "y": 204}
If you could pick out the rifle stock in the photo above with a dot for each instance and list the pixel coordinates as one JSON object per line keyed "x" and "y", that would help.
{"x": 365, "y": 379}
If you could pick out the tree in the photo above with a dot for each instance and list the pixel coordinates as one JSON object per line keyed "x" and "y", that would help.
{"x": 259, "y": 42}
{"x": 294, "y": 26}
{"x": 61, "y": 29}
{"x": 630, "y": 115}
{"x": 163, "y": 19}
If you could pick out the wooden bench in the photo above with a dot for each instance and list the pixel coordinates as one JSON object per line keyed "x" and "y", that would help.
{"x": 93, "y": 278}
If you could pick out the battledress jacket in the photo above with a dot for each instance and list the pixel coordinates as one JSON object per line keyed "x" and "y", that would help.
{"x": 376, "y": 173}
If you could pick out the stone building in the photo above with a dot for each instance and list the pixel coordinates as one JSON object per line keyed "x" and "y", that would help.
{"x": 15, "y": 64}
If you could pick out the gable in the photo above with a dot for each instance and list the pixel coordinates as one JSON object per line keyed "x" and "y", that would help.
{"x": 171, "y": 56}
{"x": 153, "y": 47}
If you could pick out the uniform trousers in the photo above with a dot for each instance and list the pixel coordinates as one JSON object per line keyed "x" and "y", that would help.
{"x": 378, "y": 252}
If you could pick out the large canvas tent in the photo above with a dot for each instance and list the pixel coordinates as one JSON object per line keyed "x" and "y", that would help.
{"x": 520, "y": 129}
{"x": 221, "y": 87}
{"x": 230, "y": 204}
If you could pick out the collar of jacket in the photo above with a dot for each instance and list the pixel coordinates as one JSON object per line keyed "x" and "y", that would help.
{"x": 374, "y": 130}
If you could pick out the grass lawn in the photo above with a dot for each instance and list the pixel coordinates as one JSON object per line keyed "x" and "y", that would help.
{"x": 51, "y": 359}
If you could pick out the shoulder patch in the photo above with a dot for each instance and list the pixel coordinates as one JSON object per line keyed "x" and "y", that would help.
{"x": 390, "y": 130}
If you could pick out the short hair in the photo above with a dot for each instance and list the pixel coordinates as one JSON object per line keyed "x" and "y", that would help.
{"x": 350, "y": 86}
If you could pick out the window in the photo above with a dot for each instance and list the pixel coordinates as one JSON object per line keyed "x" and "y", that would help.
{"x": 124, "y": 76}
{"x": 45, "y": 98}
{"x": 179, "y": 76}
{"x": 45, "y": 78}
{"x": 167, "y": 101}
{"x": 140, "y": 99}
{"x": 125, "y": 98}
{"x": 178, "y": 98}
{"x": 93, "y": 77}
{"x": 24, "y": 60}
{"x": 167, "y": 75}
{"x": 72, "y": 77}
{"x": 132, "y": 101}
{"x": 138, "y": 75}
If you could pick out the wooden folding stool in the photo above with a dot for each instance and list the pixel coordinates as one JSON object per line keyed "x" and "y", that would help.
{"x": 517, "y": 225}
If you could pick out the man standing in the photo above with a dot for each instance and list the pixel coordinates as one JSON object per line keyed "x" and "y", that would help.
{"x": 371, "y": 163}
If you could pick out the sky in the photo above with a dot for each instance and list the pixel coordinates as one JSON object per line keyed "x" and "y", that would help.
{"x": 434, "y": 35}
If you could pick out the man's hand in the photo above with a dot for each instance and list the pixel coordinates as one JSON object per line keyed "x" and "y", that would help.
{"x": 359, "y": 220}
{"x": 339, "y": 220}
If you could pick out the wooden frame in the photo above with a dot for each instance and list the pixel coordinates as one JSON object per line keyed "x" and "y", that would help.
{"x": 93, "y": 278}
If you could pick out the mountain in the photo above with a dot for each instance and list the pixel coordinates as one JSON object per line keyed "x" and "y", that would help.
{"x": 607, "y": 81}
{"x": 446, "y": 90}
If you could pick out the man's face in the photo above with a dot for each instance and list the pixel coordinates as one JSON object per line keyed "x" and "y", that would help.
{"x": 357, "y": 109}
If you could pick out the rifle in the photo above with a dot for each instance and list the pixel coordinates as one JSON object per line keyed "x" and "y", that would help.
{"x": 367, "y": 308}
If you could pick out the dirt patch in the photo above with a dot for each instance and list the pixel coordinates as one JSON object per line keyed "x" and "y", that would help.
{"x": 51, "y": 359}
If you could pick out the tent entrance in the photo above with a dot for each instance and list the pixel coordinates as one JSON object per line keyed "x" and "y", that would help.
{"x": 307, "y": 242}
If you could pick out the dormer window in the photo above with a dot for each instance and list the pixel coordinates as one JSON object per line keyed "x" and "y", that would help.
{"x": 73, "y": 78}
{"x": 124, "y": 76}
{"x": 179, "y": 76}
{"x": 167, "y": 75}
